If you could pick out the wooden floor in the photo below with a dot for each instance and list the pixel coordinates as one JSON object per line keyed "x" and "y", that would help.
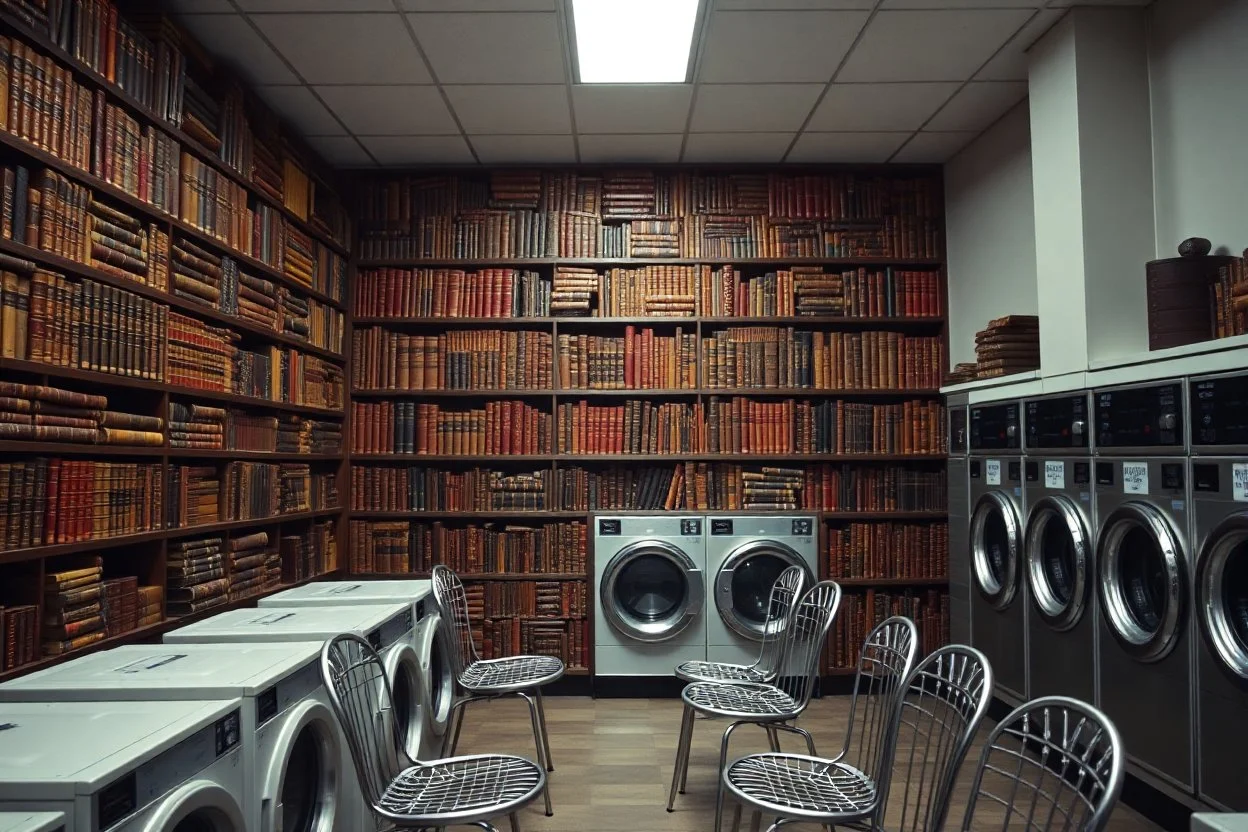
{"x": 614, "y": 759}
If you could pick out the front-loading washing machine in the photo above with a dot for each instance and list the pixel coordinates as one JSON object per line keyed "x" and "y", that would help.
{"x": 1219, "y": 476}
{"x": 294, "y": 756}
{"x": 437, "y": 679}
{"x": 1058, "y": 547}
{"x": 1144, "y": 579}
{"x": 999, "y": 599}
{"x": 125, "y": 766}
{"x": 745, "y": 554}
{"x": 649, "y": 572}
{"x": 32, "y": 822}
{"x": 959, "y": 486}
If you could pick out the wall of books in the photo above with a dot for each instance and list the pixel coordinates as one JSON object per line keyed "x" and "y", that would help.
{"x": 173, "y": 325}
{"x": 531, "y": 347}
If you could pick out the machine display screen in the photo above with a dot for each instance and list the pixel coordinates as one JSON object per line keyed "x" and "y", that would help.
{"x": 1140, "y": 417}
{"x": 1220, "y": 411}
{"x": 1058, "y": 423}
{"x": 995, "y": 427}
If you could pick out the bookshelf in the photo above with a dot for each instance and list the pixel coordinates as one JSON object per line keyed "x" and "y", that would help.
{"x": 127, "y": 295}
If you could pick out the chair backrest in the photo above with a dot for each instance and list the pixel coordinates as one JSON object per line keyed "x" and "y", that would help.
{"x": 804, "y": 641}
{"x": 941, "y": 707}
{"x": 785, "y": 593}
{"x": 360, "y": 696}
{"x": 1053, "y": 764}
{"x": 448, "y": 591}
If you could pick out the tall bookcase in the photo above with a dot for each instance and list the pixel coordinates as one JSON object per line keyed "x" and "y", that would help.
{"x": 144, "y": 266}
{"x": 458, "y": 272}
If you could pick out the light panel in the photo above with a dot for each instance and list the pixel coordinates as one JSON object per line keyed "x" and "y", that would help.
{"x": 633, "y": 41}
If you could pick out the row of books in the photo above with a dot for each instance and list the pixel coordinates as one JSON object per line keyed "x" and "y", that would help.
{"x": 255, "y": 490}
{"x": 888, "y": 550}
{"x": 1228, "y": 299}
{"x": 411, "y": 488}
{"x": 389, "y": 547}
{"x": 737, "y": 425}
{"x": 311, "y": 552}
{"x": 409, "y": 427}
{"x": 452, "y": 360}
{"x": 31, "y": 412}
{"x": 809, "y": 290}
{"x": 209, "y": 572}
{"x": 200, "y": 426}
{"x": 565, "y": 639}
{"x": 638, "y": 360}
{"x": 634, "y": 427}
{"x": 861, "y": 612}
{"x": 423, "y": 293}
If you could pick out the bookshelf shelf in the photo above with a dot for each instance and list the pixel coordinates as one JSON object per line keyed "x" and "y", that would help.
{"x": 626, "y": 458}
{"x": 530, "y": 262}
{"x": 572, "y": 393}
{"x": 754, "y": 320}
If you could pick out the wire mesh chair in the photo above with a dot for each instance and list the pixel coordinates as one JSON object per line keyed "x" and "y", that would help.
{"x": 481, "y": 679}
{"x": 757, "y": 703}
{"x": 849, "y": 787}
{"x": 1053, "y": 764}
{"x": 784, "y": 594}
{"x": 460, "y": 791}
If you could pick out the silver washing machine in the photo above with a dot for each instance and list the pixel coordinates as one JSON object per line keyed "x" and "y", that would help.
{"x": 999, "y": 593}
{"x": 1219, "y": 477}
{"x": 1059, "y": 547}
{"x": 959, "y": 523}
{"x": 1144, "y": 578}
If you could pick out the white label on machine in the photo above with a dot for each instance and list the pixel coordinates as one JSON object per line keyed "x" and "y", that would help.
{"x": 992, "y": 473}
{"x": 1135, "y": 478}
{"x": 1239, "y": 481}
{"x": 1054, "y": 474}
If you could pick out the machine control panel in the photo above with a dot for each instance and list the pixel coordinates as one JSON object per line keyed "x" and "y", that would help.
{"x": 1220, "y": 411}
{"x": 995, "y": 427}
{"x": 1060, "y": 422}
{"x": 1140, "y": 417}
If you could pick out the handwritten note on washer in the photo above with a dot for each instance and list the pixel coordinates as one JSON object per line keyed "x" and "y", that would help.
{"x": 1135, "y": 478}
{"x": 1239, "y": 481}
{"x": 1054, "y": 473}
{"x": 992, "y": 472}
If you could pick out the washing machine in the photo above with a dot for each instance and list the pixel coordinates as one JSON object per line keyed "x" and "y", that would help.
{"x": 1219, "y": 476}
{"x": 125, "y": 766}
{"x": 294, "y": 755}
{"x": 650, "y": 578}
{"x": 959, "y": 490}
{"x": 999, "y": 599}
{"x": 32, "y": 822}
{"x": 1058, "y": 547}
{"x": 1144, "y": 579}
{"x": 744, "y": 557}
{"x": 437, "y": 679}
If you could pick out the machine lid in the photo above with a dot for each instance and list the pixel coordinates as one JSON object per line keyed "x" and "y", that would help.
{"x": 1142, "y": 580}
{"x": 1222, "y": 594}
{"x": 651, "y": 590}
{"x": 32, "y": 822}
{"x": 1059, "y": 561}
{"x": 744, "y": 581}
{"x": 996, "y": 544}
{"x": 302, "y": 782}
{"x": 349, "y": 592}
{"x": 293, "y": 623}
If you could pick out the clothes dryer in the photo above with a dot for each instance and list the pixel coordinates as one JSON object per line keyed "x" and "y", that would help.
{"x": 294, "y": 756}
{"x": 649, "y": 573}
{"x": 32, "y": 822}
{"x": 999, "y": 600}
{"x": 745, "y": 554}
{"x": 959, "y": 522}
{"x": 1058, "y": 547}
{"x": 125, "y": 766}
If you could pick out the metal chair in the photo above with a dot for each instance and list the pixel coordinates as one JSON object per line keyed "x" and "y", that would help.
{"x": 1053, "y": 764}
{"x": 784, "y": 594}
{"x": 460, "y": 791}
{"x": 757, "y": 703}
{"x": 850, "y": 787}
{"x": 482, "y": 679}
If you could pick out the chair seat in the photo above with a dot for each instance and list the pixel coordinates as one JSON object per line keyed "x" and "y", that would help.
{"x": 511, "y": 674}
{"x": 740, "y": 700}
{"x": 795, "y": 785}
{"x": 696, "y": 671}
{"x": 462, "y": 789}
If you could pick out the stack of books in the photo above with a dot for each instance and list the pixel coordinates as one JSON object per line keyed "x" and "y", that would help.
{"x": 151, "y": 605}
{"x": 1009, "y": 345}
{"x": 196, "y": 426}
{"x": 121, "y": 605}
{"x": 198, "y": 275}
{"x": 254, "y": 565}
{"x": 197, "y": 575}
{"x": 73, "y": 606}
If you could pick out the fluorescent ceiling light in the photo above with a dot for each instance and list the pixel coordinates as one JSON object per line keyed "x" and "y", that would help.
{"x": 634, "y": 41}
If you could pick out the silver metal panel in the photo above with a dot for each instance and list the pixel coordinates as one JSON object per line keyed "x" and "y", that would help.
{"x": 959, "y": 550}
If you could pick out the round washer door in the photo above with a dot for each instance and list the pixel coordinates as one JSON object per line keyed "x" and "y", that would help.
{"x": 1222, "y": 594}
{"x": 651, "y": 591}
{"x": 996, "y": 547}
{"x": 301, "y": 785}
{"x": 437, "y": 678}
{"x": 1059, "y": 561}
{"x": 197, "y": 806}
{"x": 403, "y": 672}
{"x": 1142, "y": 580}
{"x": 744, "y": 580}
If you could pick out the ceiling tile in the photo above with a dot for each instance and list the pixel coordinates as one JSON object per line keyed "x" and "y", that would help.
{"x": 977, "y": 105}
{"x": 288, "y": 6}
{"x": 879, "y": 106}
{"x": 791, "y": 5}
{"x": 652, "y": 148}
{"x": 753, "y": 107}
{"x": 932, "y": 147}
{"x": 492, "y": 48}
{"x": 523, "y": 149}
{"x": 962, "y": 4}
{"x": 390, "y": 110}
{"x": 1010, "y": 64}
{"x": 230, "y": 37}
{"x": 757, "y": 47}
{"x": 511, "y": 110}
{"x": 627, "y": 108}
{"x": 736, "y": 147}
{"x": 418, "y": 150}
{"x": 478, "y": 5}
{"x": 845, "y": 147}
{"x": 346, "y": 48}
{"x": 930, "y": 45}
{"x": 343, "y": 151}
{"x": 298, "y": 106}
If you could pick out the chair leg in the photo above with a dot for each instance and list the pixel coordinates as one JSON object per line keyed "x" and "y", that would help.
{"x": 736, "y": 817}
{"x": 450, "y": 740}
{"x": 810, "y": 740}
{"x": 515, "y": 821}
{"x": 756, "y": 820}
{"x": 682, "y": 754}
{"x": 723, "y": 764}
{"x": 541, "y": 713}
{"x": 773, "y": 738}
{"x": 537, "y": 741}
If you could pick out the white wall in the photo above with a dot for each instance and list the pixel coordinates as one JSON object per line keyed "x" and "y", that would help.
{"x": 990, "y": 231}
{"x": 1198, "y": 74}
